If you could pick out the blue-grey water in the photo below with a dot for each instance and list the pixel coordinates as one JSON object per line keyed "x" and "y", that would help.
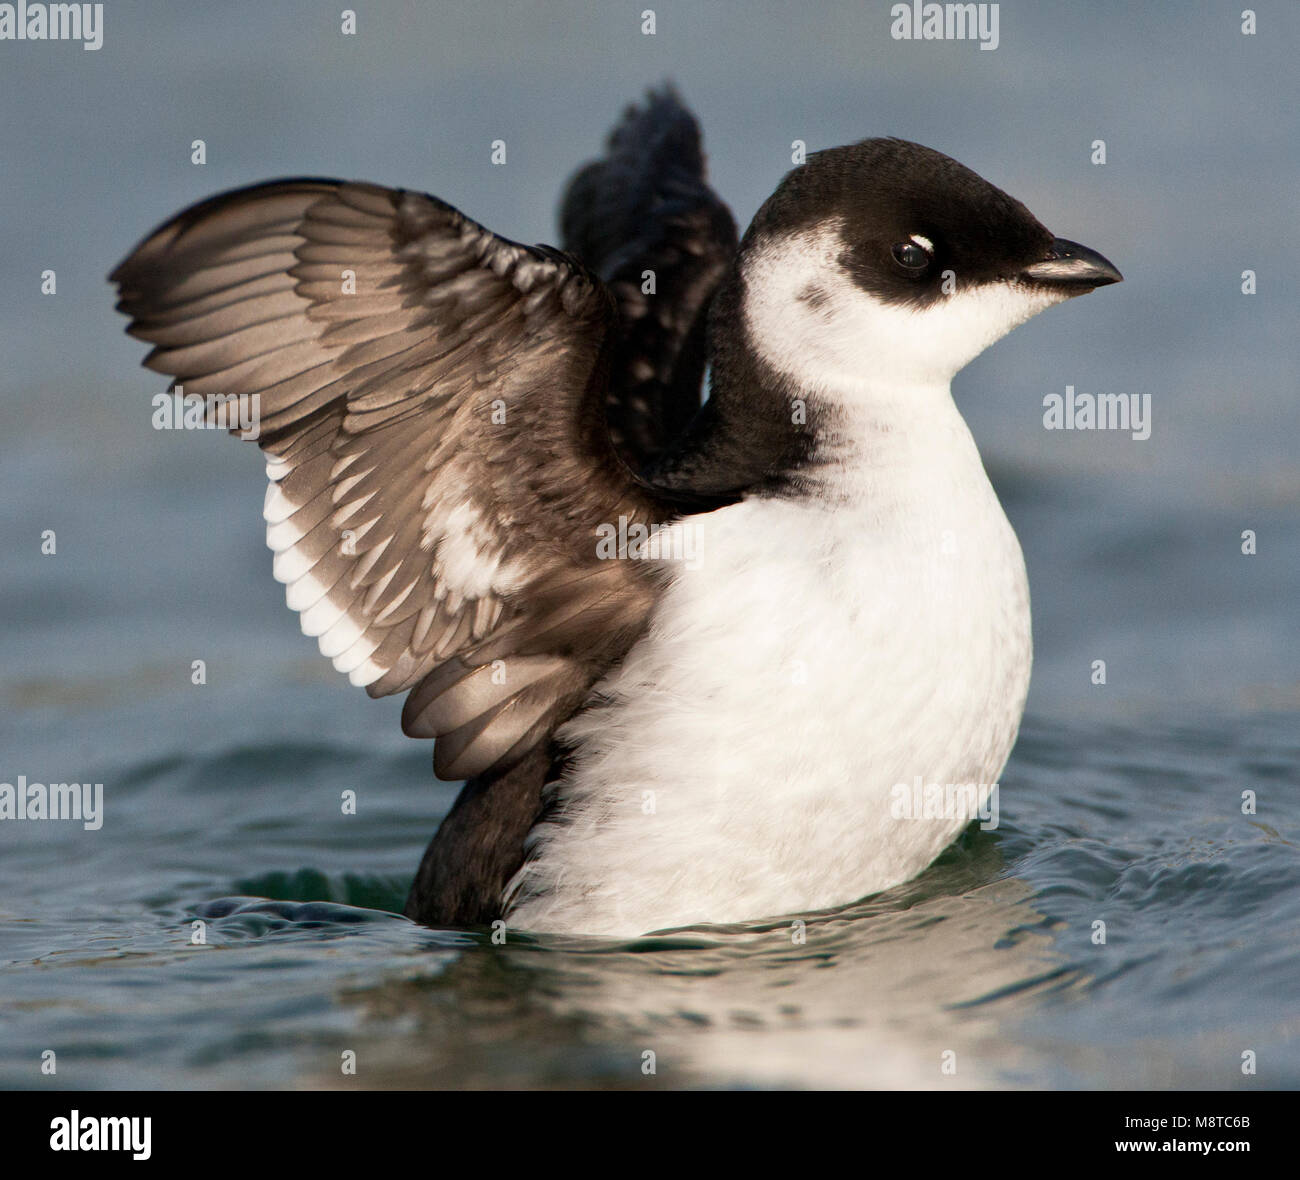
{"x": 1163, "y": 803}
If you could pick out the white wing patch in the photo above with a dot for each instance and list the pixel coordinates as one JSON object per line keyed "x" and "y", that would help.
{"x": 468, "y": 552}
{"x": 341, "y": 638}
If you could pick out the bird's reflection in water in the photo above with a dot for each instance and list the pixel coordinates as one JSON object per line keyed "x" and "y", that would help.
{"x": 905, "y": 990}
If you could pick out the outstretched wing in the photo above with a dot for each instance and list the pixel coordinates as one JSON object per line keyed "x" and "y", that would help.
{"x": 645, "y": 206}
{"x": 430, "y": 401}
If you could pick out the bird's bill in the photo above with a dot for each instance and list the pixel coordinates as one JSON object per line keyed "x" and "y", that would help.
{"x": 1069, "y": 264}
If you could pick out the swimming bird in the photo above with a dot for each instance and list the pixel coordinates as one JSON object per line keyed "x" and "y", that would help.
{"x": 683, "y": 651}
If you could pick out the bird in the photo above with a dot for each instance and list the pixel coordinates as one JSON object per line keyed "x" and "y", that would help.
{"x": 674, "y": 538}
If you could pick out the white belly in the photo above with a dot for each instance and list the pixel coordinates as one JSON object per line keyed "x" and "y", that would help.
{"x": 743, "y": 761}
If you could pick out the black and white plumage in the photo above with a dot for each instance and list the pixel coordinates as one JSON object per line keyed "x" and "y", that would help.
{"x": 450, "y": 418}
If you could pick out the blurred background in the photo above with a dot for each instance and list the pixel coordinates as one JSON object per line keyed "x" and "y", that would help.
{"x": 1122, "y": 802}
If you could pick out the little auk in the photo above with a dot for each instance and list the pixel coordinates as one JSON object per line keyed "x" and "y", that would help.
{"x": 685, "y": 652}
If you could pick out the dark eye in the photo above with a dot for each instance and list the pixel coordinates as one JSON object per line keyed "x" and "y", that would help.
{"x": 910, "y": 256}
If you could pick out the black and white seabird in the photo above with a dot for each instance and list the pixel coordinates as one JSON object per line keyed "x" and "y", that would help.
{"x": 463, "y": 433}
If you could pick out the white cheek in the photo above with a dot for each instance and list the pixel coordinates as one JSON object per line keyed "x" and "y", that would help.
{"x": 809, "y": 320}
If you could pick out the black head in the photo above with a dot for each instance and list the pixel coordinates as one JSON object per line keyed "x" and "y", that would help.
{"x": 908, "y": 214}
{"x": 890, "y": 256}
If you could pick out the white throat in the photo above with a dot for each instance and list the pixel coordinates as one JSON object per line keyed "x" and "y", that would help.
{"x": 807, "y": 319}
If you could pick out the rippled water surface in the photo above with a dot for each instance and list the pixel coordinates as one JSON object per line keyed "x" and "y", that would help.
{"x": 989, "y": 955}
{"x": 1164, "y": 803}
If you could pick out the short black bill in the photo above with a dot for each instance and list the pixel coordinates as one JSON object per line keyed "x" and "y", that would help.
{"x": 1070, "y": 265}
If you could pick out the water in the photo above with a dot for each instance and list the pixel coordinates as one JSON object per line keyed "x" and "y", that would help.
{"x": 989, "y": 955}
{"x": 1122, "y": 804}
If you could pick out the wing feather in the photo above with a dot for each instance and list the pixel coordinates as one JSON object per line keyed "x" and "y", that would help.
{"x": 645, "y": 207}
{"x": 430, "y": 400}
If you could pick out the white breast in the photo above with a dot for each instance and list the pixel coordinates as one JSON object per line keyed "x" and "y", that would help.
{"x": 742, "y": 762}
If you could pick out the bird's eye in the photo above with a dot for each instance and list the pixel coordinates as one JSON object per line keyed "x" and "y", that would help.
{"x": 911, "y": 256}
